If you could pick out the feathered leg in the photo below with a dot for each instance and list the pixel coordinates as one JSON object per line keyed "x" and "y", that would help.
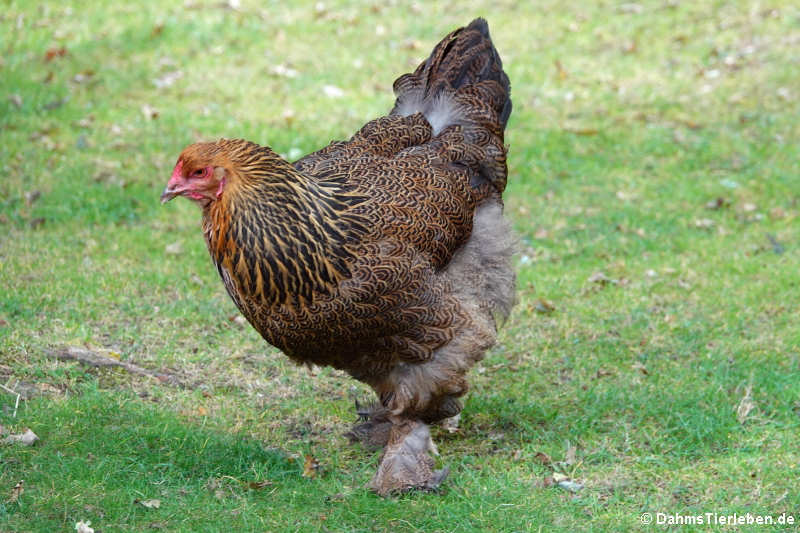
{"x": 405, "y": 463}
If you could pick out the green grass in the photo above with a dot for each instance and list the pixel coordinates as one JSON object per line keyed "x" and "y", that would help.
{"x": 629, "y": 119}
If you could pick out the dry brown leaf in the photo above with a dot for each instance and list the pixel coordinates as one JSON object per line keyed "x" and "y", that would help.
{"x": 717, "y": 203}
{"x": 53, "y": 53}
{"x": 259, "y": 485}
{"x": 310, "y": 467}
{"x": 543, "y": 306}
{"x": 777, "y": 213}
{"x": 83, "y": 77}
{"x": 28, "y": 438}
{"x": 601, "y": 373}
{"x": 32, "y": 196}
{"x": 239, "y": 320}
{"x": 47, "y": 388}
{"x": 150, "y": 113}
{"x": 689, "y": 123}
{"x": 582, "y": 131}
{"x": 562, "y": 72}
{"x": 640, "y": 367}
{"x": 601, "y": 278}
{"x": 630, "y": 47}
{"x": 16, "y": 492}
{"x": 150, "y": 504}
{"x": 497, "y": 436}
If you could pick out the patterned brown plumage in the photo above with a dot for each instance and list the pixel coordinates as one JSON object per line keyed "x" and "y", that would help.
{"x": 387, "y": 255}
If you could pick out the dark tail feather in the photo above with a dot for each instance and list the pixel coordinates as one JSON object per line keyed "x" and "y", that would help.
{"x": 463, "y": 59}
{"x": 462, "y": 84}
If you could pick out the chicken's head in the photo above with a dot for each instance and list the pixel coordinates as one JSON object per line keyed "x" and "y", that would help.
{"x": 198, "y": 175}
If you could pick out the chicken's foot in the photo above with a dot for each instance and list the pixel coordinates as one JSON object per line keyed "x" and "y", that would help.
{"x": 405, "y": 463}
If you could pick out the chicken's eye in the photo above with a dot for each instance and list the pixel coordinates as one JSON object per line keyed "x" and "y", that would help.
{"x": 198, "y": 173}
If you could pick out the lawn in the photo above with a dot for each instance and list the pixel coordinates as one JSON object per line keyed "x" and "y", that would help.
{"x": 653, "y": 357}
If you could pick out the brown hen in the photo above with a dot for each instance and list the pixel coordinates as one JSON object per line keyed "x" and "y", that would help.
{"x": 386, "y": 256}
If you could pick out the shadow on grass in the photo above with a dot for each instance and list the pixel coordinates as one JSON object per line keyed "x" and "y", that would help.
{"x": 101, "y": 452}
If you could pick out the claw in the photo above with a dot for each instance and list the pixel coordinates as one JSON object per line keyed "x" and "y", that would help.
{"x": 438, "y": 477}
{"x": 364, "y": 410}
{"x": 373, "y": 431}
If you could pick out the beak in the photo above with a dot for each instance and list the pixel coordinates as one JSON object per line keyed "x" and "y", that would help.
{"x": 168, "y": 194}
{"x": 176, "y": 184}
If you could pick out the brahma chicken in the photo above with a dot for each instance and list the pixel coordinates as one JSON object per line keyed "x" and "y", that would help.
{"x": 386, "y": 256}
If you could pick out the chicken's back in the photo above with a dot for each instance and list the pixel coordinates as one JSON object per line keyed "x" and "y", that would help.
{"x": 426, "y": 167}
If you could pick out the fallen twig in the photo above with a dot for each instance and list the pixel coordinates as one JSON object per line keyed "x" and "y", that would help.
{"x": 91, "y": 358}
{"x": 16, "y": 402}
